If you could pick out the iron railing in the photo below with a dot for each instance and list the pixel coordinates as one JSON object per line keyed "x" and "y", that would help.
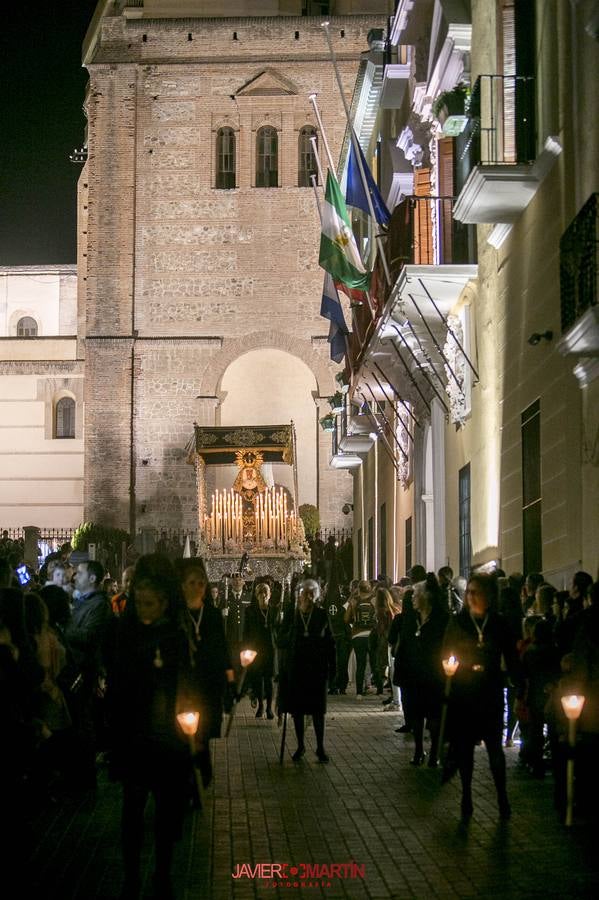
{"x": 424, "y": 232}
{"x": 501, "y": 125}
{"x": 578, "y": 264}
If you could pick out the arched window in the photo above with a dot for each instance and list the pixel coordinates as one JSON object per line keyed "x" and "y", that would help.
{"x": 225, "y": 158}
{"x": 26, "y": 327}
{"x": 306, "y": 157}
{"x": 65, "y": 418}
{"x": 267, "y": 158}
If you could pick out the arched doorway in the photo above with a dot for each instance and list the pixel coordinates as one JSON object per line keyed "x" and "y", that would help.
{"x": 271, "y": 387}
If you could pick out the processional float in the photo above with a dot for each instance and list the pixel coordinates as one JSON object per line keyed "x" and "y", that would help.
{"x": 250, "y": 518}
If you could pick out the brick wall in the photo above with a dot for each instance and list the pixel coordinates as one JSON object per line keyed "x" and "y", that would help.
{"x": 200, "y": 275}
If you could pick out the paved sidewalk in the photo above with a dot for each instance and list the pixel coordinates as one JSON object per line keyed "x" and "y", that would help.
{"x": 367, "y": 806}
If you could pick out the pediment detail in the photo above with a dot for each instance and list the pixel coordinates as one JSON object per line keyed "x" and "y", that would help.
{"x": 268, "y": 83}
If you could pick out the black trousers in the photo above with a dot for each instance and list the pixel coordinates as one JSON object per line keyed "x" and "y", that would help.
{"x": 462, "y": 747}
{"x": 342, "y": 651}
{"x": 318, "y": 722}
{"x": 362, "y": 651}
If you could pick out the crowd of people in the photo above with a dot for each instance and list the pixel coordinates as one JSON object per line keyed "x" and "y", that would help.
{"x": 92, "y": 671}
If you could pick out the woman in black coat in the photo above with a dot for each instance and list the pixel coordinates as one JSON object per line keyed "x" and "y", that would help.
{"x": 422, "y": 673}
{"x": 479, "y": 637}
{"x": 258, "y": 634}
{"x": 307, "y": 663}
{"x": 212, "y": 680}
{"x": 146, "y": 684}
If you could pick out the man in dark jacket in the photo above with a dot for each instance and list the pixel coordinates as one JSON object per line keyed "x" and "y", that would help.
{"x": 86, "y": 633}
{"x": 238, "y": 600}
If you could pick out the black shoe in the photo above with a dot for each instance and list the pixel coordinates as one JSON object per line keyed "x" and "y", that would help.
{"x": 418, "y": 759}
{"x": 260, "y": 712}
{"x": 322, "y": 756}
{"x": 298, "y": 754}
{"x": 403, "y": 730}
{"x": 269, "y": 713}
{"x": 388, "y": 700}
{"x": 432, "y": 763}
{"x": 333, "y": 692}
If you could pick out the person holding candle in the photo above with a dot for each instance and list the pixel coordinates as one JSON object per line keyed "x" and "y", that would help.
{"x": 258, "y": 635}
{"x": 147, "y": 677}
{"x": 479, "y": 638}
{"x": 307, "y": 664}
{"x": 212, "y": 677}
{"x": 421, "y": 641}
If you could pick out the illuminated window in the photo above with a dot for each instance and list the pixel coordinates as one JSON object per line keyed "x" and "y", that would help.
{"x": 306, "y": 157}
{"x": 26, "y": 327}
{"x": 225, "y": 159}
{"x": 65, "y": 418}
{"x": 267, "y": 158}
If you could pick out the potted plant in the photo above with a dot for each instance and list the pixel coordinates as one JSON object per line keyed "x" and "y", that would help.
{"x": 327, "y": 423}
{"x": 336, "y": 402}
{"x": 451, "y": 107}
{"x": 343, "y": 381}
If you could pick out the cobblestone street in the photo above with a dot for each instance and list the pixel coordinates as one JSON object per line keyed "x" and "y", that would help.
{"x": 368, "y": 805}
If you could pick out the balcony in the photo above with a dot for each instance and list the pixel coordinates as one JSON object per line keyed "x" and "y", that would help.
{"x": 396, "y": 74}
{"x": 498, "y": 171}
{"x": 431, "y": 257}
{"x": 341, "y": 459}
{"x": 356, "y": 424}
{"x": 578, "y": 288}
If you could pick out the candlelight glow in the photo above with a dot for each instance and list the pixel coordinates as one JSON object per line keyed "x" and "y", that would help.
{"x": 271, "y": 522}
{"x": 450, "y": 666}
{"x": 572, "y": 705}
{"x": 188, "y": 722}
{"x": 247, "y": 657}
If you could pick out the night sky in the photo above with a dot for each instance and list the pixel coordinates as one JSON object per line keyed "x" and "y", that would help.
{"x": 42, "y": 121}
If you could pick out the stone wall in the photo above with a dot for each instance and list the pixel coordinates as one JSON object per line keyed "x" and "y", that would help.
{"x": 192, "y": 276}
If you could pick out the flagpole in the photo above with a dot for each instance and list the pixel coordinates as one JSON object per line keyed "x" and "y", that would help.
{"x": 317, "y": 198}
{"x": 357, "y": 153}
{"x": 314, "y": 143}
{"x": 312, "y": 99}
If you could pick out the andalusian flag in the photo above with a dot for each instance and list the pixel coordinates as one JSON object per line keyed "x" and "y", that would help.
{"x": 339, "y": 254}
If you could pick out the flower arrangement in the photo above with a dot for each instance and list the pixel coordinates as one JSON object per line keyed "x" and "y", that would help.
{"x": 327, "y": 423}
{"x": 336, "y": 402}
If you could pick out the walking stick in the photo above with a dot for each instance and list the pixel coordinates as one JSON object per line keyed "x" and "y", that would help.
{"x": 246, "y": 657}
{"x": 188, "y": 722}
{"x": 283, "y": 736}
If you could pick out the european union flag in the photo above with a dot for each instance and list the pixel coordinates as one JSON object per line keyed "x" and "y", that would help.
{"x": 355, "y": 194}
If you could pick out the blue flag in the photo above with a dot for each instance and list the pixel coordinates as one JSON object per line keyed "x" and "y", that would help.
{"x": 355, "y": 194}
{"x": 331, "y": 309}
{"x": 337, "y": 342}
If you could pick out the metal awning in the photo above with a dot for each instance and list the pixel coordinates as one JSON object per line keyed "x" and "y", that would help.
{"x": 418, "y": 352}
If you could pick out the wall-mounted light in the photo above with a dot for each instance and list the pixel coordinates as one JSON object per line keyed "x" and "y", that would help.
{"x": 536, "y": 338}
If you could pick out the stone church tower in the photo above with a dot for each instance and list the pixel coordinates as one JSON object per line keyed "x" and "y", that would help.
{"x": 199, "y": 285}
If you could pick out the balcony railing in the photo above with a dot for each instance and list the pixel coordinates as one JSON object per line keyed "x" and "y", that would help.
{"x": 501, "y": 125}
{"x": 423, "y": 232}
{"x": 578, "y": 264}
